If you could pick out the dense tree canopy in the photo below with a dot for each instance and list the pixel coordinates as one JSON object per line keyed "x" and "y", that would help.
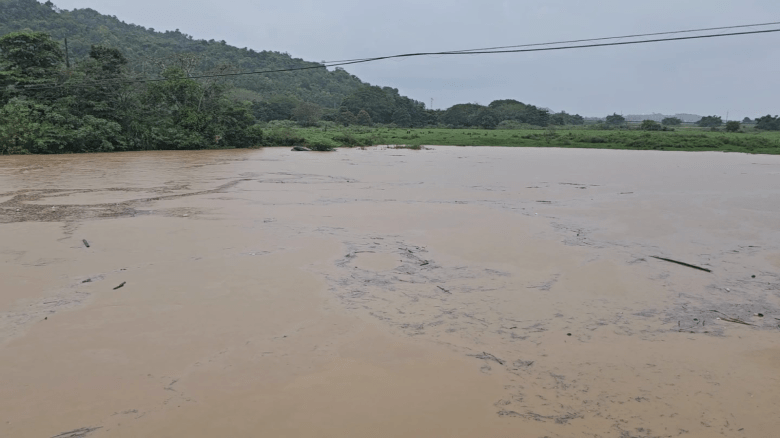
{"x": 768, "y": 123}
{"x": 488, "y": 117}
{"x": 616, "y": 119}
{"x": 386, "y": 105}
{"x": 122, "y": 87}
{"x": 710, "y": 122}
{"x": 510, "y": 109}
{"x": 94, "y": 107}
{"x": 564, "y": 118}
{"x": 145, "y": 48}
{"x": 733, "y": 126}
{"x": 364, "y": 119}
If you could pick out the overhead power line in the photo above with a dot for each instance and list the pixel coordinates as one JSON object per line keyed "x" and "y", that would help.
{"x": 545, "y": 49}
{"x": 741, "y": 26}
{"x": 500, "y": 50}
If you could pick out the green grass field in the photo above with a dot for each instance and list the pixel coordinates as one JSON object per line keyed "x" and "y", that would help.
{"x": 685, "y": 139}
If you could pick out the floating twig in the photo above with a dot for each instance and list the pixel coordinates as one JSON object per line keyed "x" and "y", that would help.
{"x": 731, "y": 319}
{"x": 682, "y": 263}
{"x": 445, "y": 290}
{"x": 487, "y": 356}
{"x": 736, "y": 321}
{"x": 78, "y": 433}
{"x": 123, "y": 283}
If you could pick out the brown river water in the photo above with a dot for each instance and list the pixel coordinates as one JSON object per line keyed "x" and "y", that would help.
{"x": 448, "y": 292}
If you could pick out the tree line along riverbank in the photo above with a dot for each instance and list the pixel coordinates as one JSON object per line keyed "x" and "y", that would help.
{"x": 50, "y": 105}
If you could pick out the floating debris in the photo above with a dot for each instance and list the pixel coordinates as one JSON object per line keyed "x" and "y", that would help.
{"x": 728, "y": 318}
{"x": 682, "y": 263}
{"x": 77, "y": 433}
{"x": 487, "y": 356}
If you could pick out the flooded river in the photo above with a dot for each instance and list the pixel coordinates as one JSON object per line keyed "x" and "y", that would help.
{"x": 458, "y": 292}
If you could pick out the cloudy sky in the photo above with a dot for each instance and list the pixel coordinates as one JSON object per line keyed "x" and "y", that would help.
{"x": 734, "y": 75}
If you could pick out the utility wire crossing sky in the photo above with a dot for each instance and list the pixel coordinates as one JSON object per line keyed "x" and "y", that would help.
{"x": 495, "y": 50}
{"x": 708, "y": 76}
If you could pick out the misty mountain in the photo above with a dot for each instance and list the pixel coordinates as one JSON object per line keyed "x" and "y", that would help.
{"x": 145, "y": 48}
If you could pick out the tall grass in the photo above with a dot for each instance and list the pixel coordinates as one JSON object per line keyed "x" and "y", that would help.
{"x": 580, "y": 137}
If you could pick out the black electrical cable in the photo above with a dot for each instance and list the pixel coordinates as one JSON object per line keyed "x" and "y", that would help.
{"x": 409, "y": 55}
{"x": 597, "y": 39}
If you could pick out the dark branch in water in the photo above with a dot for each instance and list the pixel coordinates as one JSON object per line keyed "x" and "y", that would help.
{"x": 487, "y": 356}
{"x": 78, "y": 433}
{"x": 682, "y": 263}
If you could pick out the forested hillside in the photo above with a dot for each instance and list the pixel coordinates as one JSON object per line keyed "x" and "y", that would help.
{"x": 79, "y": 81}
{"x": 146, "y": 48}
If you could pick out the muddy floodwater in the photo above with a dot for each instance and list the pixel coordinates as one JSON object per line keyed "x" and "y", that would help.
{"x": 448, "y": 292}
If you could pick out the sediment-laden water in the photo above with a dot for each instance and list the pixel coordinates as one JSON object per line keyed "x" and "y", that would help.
{"x": 443, "y": 292}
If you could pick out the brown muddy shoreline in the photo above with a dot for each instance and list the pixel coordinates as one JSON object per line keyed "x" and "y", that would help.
{"x": 450, "y": 291}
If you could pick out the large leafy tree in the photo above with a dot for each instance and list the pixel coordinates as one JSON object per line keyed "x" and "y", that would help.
{"x": 363, "y": 118}
{"x": 307, "y": 114}
{"x": 510, "y": 109}
{"x": 402, "y": 118}
{"x": 99, "y": 87}
{"x": 710, "y": 122}
{"x": 374, "y": 101}
{"x": 733, "y": 126}
{"x": 345, "y": 117}
{"x": 27, "y": 59}
{"x": 486, "y": 118}
{"x": 460, "y": 115}
{"x": 185, "y": 111}
{"x": 615, "y": 120}
{"x": 768, "y": 123}
{"x": 563, "y": 118}
{"x": 26, "y": 127}
{"x": 275, "y": 108}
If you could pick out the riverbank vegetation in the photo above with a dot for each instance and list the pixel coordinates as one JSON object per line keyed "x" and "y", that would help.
{"x": 122, "y": 87}
{"x": 595, "y": 137}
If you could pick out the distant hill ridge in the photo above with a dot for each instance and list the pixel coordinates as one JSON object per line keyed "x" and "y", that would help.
{"x": 142, "y": 46}
{"x": 86, "y": 27}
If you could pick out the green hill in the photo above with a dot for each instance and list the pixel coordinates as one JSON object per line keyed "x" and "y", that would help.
{"x": 117, "y": 86}
{"x": 142, "y": 46}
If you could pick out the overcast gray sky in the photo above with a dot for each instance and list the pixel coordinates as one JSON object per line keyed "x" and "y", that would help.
{"x": 713, "y": 76}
